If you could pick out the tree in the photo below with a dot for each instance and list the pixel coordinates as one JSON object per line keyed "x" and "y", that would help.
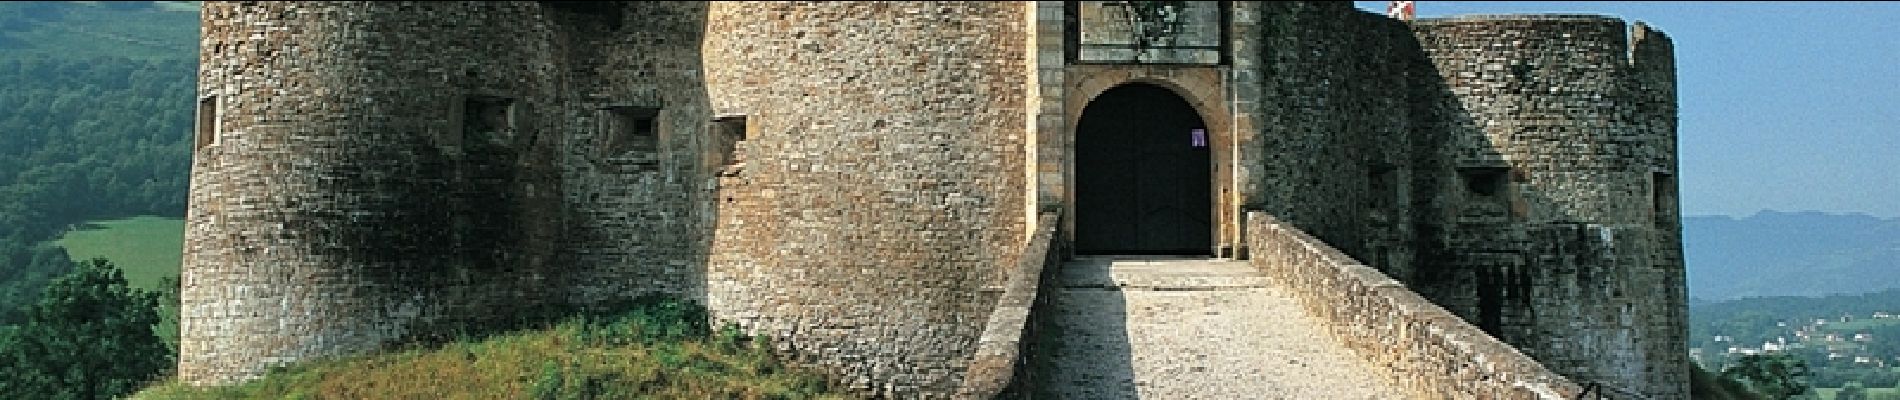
{"x": 1774, "y": 375}
{"x": 89, "y": 337}
{"x": 1853, "y": 391}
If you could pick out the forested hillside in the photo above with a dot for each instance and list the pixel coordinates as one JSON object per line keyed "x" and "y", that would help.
{"x": 95, "y": 109}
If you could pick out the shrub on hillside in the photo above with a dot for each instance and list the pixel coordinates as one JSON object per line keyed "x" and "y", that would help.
{"x": 89, "y": 337}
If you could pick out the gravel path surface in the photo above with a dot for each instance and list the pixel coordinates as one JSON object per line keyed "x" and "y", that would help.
{"x": 1190, "y": 329}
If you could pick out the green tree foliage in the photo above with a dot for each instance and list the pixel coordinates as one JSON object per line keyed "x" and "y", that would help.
{"x": 24, "y": 269}
{"x": 89, "y": 337}
{"x": 1853, "y": 391}
{"x": 1704, "y": 385}
{"x": 1775, "y": 376}
{"x": 97, "y": 102}
{"x": 80, "y": 140}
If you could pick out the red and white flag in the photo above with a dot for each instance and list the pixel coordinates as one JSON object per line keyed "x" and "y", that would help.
{"x": 1400, "y": 9}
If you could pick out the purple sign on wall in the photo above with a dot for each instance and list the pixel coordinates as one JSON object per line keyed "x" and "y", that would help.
{"x": 1199, "y": 137}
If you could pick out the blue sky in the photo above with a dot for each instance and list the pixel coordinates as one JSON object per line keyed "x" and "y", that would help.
{"x": 1784, "y": 106}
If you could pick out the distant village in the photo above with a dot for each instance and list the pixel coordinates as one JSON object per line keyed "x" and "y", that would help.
{"x": 1846, "y": 339}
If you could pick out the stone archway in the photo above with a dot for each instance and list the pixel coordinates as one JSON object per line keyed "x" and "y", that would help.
{"x": 1143, "y": 174}
{"x": 1203, "y": 88}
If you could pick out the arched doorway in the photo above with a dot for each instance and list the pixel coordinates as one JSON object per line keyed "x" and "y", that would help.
{"x": 1142, "y": 175}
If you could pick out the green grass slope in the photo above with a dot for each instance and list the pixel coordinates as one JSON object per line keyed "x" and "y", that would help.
{"x": 147, "y": 248}
{"x": 656, "y": 349}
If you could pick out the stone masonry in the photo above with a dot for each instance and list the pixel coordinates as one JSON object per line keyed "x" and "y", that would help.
{"x": 860, "y": 180}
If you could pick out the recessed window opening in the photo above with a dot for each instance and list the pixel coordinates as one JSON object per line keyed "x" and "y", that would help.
{"x": 728, "y": 131}
{"x": 207, "y": 129}
{"x": 625, "y": 129}
{"x": 1485, "y": 181}
{"x": 487, "y": 119}
{"x": 1379, "y": 178}
{"x": 1662, "y": 194}
{"x": 732, "y": 127}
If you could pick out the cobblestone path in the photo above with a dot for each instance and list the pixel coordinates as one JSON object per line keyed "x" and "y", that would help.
{"x": 1189, "y": 329}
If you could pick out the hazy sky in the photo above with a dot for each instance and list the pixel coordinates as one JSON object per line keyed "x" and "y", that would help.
{"x": 1785, "y": 106}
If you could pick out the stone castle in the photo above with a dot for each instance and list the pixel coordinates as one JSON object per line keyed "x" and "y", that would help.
{"x": 866, "y": 182}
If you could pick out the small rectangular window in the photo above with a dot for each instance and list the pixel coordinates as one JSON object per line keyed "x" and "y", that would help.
{"x": 207, "y": 129}
{"x": 1662, "y": 195}
{"x": 625, "y": 129}
{"x": 732, "y": 127}
{"x": 487, "y": 120}
{"x": 1485, "y": 182}
{"x": 727, "y": 131}
{"x": 1383, "y": 190}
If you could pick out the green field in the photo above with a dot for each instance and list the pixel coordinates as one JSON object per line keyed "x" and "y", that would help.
{"x": 1828, "y": 393}
{"x": 1859, "y": 324}
{"x": 147, "y": 248}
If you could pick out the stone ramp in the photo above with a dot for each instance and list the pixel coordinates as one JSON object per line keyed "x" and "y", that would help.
{"x": 1189, "y": 329}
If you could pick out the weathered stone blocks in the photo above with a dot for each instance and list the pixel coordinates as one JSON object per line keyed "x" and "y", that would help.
{"x": 379, "y": 172}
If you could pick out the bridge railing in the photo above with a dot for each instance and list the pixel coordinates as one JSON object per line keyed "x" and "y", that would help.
{"x": 999, "y": 367}
{"x": 1424, "y": 349}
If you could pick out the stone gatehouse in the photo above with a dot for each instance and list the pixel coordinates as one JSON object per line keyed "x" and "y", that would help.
{"x": 853, "y": 178}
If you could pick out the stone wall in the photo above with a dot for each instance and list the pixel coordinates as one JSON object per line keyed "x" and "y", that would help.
{"x": 883, "y": 181}
{"x": 637, "y": 218}
{"x": 1340, "y": 143}
{"x": 999, "y": 367}
{"x": 1424, "y": 349}
{"x": 1556, "y": 227}
{"x": 380, "y": 172}
{"x": 853, "y": 178}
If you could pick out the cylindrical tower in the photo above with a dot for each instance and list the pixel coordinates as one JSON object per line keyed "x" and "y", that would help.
{"x": 359, "y": 177}
{"x": 883, "y": 179}
{"x": 1556, "y": 224}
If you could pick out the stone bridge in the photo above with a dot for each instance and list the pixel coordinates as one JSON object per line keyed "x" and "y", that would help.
{"x": 1299, "y": 320}
{"x": 1187, "y": 328}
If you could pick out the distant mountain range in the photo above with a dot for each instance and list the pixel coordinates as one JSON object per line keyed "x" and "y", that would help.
{"x": 1790, "y": 254}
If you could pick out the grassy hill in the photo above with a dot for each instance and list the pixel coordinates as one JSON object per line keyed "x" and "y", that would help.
{"x": 147, "y": 248}
{"x": 656, "y": 349}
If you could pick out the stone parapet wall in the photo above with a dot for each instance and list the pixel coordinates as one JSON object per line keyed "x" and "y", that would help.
{"x": 999, "y": 365}
{"x": 1424, "y": 349}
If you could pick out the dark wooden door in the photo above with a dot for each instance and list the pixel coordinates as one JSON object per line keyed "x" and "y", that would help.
{"x": 1142, "y": 178}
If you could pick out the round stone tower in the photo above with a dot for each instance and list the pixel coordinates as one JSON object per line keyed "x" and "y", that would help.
{"x": 883, "y": 184}
{"x": 1561, "y": 224}
{"x": 364, "y": 173}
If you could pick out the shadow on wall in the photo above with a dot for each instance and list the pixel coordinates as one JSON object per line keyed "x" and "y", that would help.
{"x": 1543, "y": 229}
{"x": 583, "y": 188}
{"x": 643, "y": 149}
{"x": 1084, "y": 336}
